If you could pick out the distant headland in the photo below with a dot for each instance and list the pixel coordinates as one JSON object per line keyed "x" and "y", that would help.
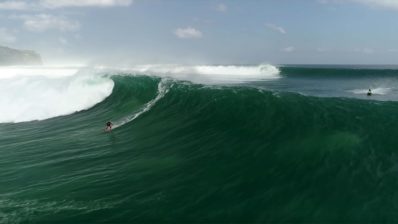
{"x": 10, "y": 56}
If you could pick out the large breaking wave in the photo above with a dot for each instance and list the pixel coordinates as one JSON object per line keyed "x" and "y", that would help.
{"x": 38, "y": 93}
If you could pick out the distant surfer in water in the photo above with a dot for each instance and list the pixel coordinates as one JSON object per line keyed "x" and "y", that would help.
{"x": 369, "y": 92}
{"x": 108, "y": 126}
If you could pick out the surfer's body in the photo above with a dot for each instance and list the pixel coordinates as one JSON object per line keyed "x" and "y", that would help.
{"x": 369, "y": 92}
{"x": 108, "y": 126}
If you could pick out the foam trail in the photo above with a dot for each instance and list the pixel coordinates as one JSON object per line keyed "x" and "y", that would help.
{"x": 162, "y": 91}
{"x": 377, "y": 91}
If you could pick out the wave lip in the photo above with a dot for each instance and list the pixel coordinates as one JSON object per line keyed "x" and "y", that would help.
{"x": 210, "y": 73}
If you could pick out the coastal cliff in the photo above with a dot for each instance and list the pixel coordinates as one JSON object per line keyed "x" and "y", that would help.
{"x": 10, "y": 56}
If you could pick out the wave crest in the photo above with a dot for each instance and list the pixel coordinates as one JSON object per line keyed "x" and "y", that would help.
{"x": 209, "y": 74}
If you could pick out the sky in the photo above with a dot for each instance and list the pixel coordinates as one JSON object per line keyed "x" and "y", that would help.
{"x": 204, "y": 31}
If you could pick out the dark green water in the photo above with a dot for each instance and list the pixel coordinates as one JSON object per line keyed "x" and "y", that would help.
{"x": 206, "y": 154}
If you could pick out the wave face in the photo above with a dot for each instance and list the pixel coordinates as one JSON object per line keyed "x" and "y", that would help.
{"x": 185, "y": 152}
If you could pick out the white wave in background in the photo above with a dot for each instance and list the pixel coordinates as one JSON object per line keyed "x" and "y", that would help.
{"x": 205, "y": 74}
{"x": 29, "y": 71}
{"x": 42, "y": 93}
{"x": 162, "y": 91}
{"x": 377, "y": 91}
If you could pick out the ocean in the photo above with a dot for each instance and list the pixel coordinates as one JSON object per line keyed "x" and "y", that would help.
{"x": 199, "y": 144}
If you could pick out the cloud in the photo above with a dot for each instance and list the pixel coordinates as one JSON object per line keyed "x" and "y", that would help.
{"x": 389, "y": 4}
{"x": 322, "y": 50}
{"x": 63, "y": 41}
{"x": 276, "y": 28}
{"x": 53, "y": 4}
{"x": 84, "y": 3}
{"x": 44, "y": 22}
{"x": 288, "y": 49}
{"x": 379, "y": 3}
{"x": 6, "y": 36}
{"x": 188, "y": 33}
{"x": 364, "y": 50}
{"x": 222, "y": 7}
{"x": 14, "y": 5}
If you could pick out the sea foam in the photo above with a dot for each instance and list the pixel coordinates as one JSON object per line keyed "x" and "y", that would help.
{"x": 206, "y": 74}
{"x": 40, "y": 93}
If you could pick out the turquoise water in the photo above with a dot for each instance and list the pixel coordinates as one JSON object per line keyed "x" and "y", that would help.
{"x": 307, "y": 147}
